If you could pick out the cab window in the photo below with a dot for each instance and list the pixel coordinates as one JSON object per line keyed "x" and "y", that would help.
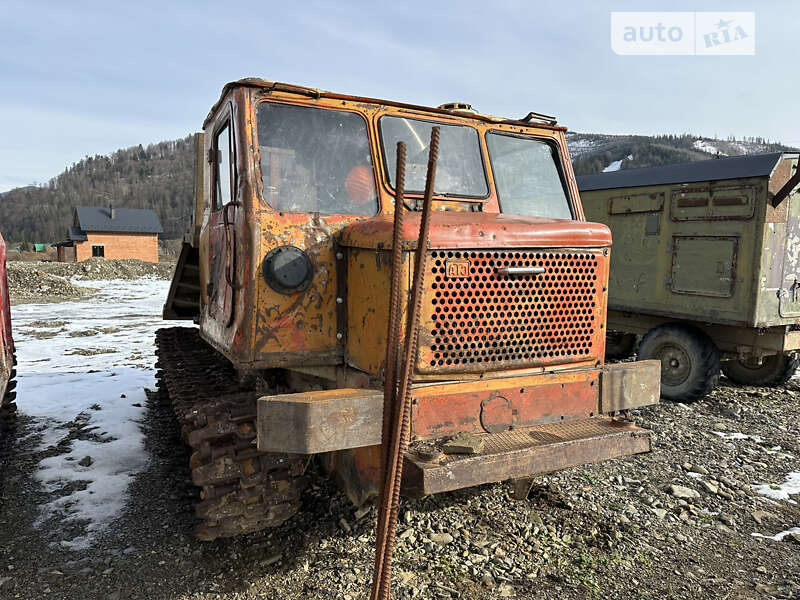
{"x": 223, "y": 166}
{"x": 459, "y": 169}
{"x": 315, "y": 160}
{"x": 528, "y": 176}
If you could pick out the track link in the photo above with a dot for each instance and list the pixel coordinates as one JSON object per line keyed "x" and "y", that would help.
{"x": 242, "y": 489}
{"x": 8, "y": 408}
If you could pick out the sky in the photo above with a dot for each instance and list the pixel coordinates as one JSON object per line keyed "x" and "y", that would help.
{"x": 85, "y": 78}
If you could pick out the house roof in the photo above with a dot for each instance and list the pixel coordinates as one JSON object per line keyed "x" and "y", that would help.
{"x": 125, "y": 220}
{"x": 76, "y": 234}
{"x": 759, "y": 165}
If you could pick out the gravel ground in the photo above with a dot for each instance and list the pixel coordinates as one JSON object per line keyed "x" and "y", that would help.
{"x": 614, "y": 530}
{"x": 50, "y": 281}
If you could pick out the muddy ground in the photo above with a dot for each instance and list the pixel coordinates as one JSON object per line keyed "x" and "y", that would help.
{"x": 609, "y": 530}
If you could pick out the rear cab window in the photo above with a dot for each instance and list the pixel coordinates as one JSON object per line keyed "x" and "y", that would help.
{"x": 528, "y": 176}
{"x": 315, "y": 160}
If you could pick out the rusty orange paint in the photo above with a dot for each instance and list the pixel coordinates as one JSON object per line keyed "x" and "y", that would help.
{"x": 498, "y": 405}
{"x": 261, "y": 328}
{"x": 456, "y": 230}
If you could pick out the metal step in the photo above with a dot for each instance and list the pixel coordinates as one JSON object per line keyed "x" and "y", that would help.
{"x": 524, "y": 453}
{"x": 183, "y": 300}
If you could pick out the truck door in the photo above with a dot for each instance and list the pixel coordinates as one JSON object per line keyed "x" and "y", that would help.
{"x": 222, "y": 225}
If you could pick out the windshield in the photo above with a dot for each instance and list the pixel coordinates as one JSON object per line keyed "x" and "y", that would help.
{"x": 459, "y": 170}
{"x": 527, "y": 177}
{"x": 315, "y": 160}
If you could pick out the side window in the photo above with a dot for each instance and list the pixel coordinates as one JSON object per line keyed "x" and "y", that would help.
{"x": 222, "y": 160}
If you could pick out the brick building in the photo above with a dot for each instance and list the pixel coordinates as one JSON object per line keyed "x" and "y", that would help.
{"x": 113, "y": 233}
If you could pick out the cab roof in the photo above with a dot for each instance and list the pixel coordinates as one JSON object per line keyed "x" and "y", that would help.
{"x": 532, "y": 118}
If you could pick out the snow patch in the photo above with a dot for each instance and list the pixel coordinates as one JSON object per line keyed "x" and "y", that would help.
{"x": 778, "y": 536}
{"x": 617, "y": 164}
{"x": 736, "y": 435}
{"x": 84, "y": 389}
{"x": 788, "y": 488}
{"x": 705, "y": 146}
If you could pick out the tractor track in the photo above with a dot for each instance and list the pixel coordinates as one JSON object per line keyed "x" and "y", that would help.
{"x": 241, "y": 489}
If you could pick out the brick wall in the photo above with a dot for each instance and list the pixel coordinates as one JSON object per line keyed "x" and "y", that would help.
{"x": 142, "y": 246}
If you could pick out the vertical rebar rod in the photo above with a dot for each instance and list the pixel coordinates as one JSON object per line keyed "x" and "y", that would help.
{"x": 401, "y": 417}
{"x": 392, "y": 344}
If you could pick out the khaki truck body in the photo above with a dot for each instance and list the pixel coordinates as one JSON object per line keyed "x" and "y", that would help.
{"x": 711, "y": 247}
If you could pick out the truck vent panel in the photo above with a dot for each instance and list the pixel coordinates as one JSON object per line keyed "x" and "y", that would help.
{"x": 547, "y": 309}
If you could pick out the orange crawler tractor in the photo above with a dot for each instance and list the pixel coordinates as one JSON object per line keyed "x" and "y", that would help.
{"x": 287, "y": 269}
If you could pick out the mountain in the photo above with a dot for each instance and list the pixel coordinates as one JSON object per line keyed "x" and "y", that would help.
{"x": 594, "y": 153}
{"x": 160, "y": 177}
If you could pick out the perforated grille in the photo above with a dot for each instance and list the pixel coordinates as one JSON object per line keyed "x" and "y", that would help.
{"x": 481, "y": 318}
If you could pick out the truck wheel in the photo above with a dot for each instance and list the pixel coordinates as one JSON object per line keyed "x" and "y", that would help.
{"x": 775, "y": 370}
{"x": 620, "y": 345}
{"x": 689, "y": 361}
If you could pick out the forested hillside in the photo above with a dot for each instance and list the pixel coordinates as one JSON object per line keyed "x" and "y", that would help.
{"x": 594, "y": 153}
{"x": 160, "y": 176}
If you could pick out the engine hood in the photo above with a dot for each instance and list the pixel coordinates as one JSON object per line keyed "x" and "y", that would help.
{"x": 478, "y": 230}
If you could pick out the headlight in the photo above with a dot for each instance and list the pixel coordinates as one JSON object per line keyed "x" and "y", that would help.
{"x": 288, "y": 269}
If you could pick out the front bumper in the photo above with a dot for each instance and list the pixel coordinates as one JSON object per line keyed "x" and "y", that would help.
{"x": 330, "y": 420}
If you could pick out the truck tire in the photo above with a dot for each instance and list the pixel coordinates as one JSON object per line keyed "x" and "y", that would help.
{"x": 775, "y": 370}
{"x": 690, "y": 361}
{"x": 620, "y": 345}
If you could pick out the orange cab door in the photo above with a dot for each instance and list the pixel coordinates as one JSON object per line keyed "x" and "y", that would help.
{"x": 222, "y": 225}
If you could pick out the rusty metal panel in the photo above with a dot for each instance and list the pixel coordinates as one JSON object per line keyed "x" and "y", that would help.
{"x": 789, "y": 305}
{"x": 514, "y": 309}
{"x": 636, "y": 203}
{"x": 630, "y": 385}
{"x": 502, "y": 404}
{"x": 524, "y": 453}
{"x": 719, "y": 256}
{"x": 319, "y": 421}
{"x": 713, "y": 202}
{"x": 368, "y": 278}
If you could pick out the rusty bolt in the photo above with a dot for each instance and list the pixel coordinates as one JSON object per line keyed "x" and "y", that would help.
{"x": 339, "y": 300}
{"x": 339, "y": 255}
{"x": 339, "y": 335}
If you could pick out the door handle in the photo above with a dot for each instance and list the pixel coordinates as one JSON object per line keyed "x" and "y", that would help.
{"x": 520, "y": 270}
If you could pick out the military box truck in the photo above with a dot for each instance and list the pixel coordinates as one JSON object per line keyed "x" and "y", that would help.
{"x": 705, "y": 268}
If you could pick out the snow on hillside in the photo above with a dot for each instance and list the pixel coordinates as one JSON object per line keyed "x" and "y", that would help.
{"x": 706, "y": 146}
{"x": 616, "y": 165}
